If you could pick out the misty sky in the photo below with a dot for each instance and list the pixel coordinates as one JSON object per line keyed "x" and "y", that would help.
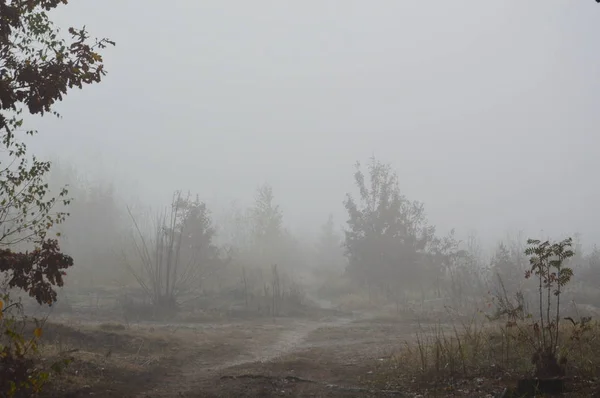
{"x": 488, "y": 110}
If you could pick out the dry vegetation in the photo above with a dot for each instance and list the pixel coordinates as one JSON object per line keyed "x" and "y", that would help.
{"x": 178, "y": 304}
{"x": 479, "y": 357}
{"x": 375, "y": 352}
{"x": 329, "y": 353}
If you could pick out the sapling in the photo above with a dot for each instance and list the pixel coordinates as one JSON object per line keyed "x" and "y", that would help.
{"x": 547, "y": 264}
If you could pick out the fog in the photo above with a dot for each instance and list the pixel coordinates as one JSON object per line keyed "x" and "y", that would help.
{"x": 485, "y": 109}
{"x": 271, "y": 198}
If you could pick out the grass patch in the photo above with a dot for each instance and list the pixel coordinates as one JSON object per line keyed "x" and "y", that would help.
{"x": 102, "y": 359}
{"x": 112, "y": 326}
{"x": 483, "y": 357}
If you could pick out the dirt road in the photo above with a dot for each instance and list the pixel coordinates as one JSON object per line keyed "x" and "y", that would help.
{"x": 331, "y": 355}
{"x": 198, "y": 375}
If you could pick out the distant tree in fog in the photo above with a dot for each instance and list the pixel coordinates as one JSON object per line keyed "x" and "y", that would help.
{"x": 266, "y": 221}
{"x": 179, "y": 255}
{"x": 457, "y": 268}
{"x": 508, "y": 264}
{"x": 94, "y": 203}
{"x": 502, "y": 264}
{"x": 330, "y": 252}
{"x": 443, "y": 253}
{"x": 590, "y": 269}
{"x": 234, "y": 227}
{"x": 387, "y": 234}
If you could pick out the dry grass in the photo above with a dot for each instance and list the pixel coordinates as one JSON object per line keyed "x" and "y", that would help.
{"x": 467, "y": 357}
{"x": 104, "y": 358}
{"x": 110, "y": 359}
{"x": 479, "y": 356}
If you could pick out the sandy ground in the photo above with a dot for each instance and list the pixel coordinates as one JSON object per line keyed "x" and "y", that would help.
{"x": 204, "y": 376}
{"x": 334, "y": 355}
{"x": 327, "y": 355}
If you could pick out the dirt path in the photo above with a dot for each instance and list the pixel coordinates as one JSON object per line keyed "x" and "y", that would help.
{"x": 288, "y": 342}
{"x": 192, "y": 372}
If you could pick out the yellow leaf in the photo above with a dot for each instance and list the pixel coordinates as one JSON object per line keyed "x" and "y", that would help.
{"x": 38, "y": 332}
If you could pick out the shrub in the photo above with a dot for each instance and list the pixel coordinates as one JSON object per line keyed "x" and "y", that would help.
{"x": 547, "y": 261}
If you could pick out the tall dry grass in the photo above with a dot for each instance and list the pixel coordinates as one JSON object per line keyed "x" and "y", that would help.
{"x": 478, "y": 350}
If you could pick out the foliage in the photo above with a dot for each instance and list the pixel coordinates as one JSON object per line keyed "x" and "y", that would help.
{"x": 387, "y": 234}
{"x": 94, "y": 202}
{"x": 451, "y": 356}
{"x": 267, "y": 260}
{"x": 179, "y": 255}
{"x": 504, "y": 270}
{"x": 501, "y": 262}
{"x": 457, "y": 268}
{"x": 264, "y": 240}
{"x": 514, "y": 309}
{"x": 37, "y": 68}
{"x": 17, "y": 365}
{"x": 472, "y": 358}
{"x": 36, "y": 272}
{"x": 547, "y": 263}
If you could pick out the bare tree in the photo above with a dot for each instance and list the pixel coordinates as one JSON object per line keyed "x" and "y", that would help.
{"x": 179, "y": 255}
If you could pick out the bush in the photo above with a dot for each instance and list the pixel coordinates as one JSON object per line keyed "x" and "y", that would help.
{"x": 449, "y": 357}
{"x": 20, "y": 371}
{"x": 509, "y": 343}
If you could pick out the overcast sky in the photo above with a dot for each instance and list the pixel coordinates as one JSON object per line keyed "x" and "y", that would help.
{"x": 488, "y": 110}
